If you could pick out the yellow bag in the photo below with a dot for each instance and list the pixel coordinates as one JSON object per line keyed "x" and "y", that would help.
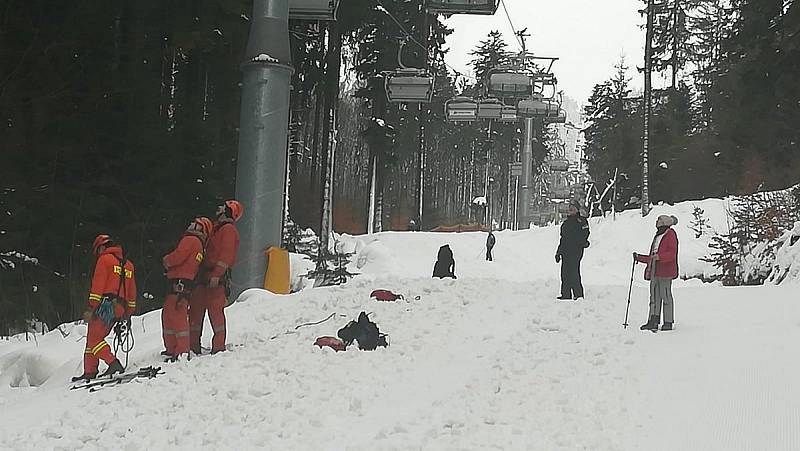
{"x": 276, "y": 280}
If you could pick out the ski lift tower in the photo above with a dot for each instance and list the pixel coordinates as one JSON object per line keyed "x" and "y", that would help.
{"x": 263, "y": 129}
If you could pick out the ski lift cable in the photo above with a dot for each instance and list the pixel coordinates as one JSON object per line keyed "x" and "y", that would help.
{"x": 513, "y": 29}
{"x": 414, "y": 40}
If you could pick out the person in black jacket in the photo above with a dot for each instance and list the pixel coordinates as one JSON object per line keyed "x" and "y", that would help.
{"x": 574, "y": 239}
{"x": 490, "y": 240}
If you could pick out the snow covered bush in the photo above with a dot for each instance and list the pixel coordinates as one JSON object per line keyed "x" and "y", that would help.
{"x": 757, "y": 222}
{"x": 787, "y": 257}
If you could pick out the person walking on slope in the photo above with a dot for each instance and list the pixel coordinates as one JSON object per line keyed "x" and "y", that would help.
{"x": 661, "y": 270}
{"x": 182, "y": 265}
{"x": 490, "y": 241}
{"x": 574, "y": 239}
{"x": 112, "y": 298}
{"x": 213, "y": 284}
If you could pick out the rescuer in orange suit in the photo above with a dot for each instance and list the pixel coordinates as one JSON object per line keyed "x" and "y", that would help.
{"x": 111, "y": 298}
{"x": 213, "y": 285}
{"x": 182, "y": 265}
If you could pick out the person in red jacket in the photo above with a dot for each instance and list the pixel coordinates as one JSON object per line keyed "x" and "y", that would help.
{"x": 661, "y": 270}
{"x": 112, "y": 298}
{"x": 213, "y": 285}
{"x": 182, "y": 265}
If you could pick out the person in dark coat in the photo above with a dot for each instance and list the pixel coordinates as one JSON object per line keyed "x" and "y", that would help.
{"x": 574, "y": 239}
{"x": 490, "y": 240}
{"x": 445, "y": 264}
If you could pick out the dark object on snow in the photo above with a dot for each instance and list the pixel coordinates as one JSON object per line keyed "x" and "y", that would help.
{"x": 666, "y": 326}
{"x": 331, "y": 342}
{"x": 365, "y": 332}
{"x": 445, "y": 264}
{"x": 385, "y": 295}
{"x": 490, "y": 241}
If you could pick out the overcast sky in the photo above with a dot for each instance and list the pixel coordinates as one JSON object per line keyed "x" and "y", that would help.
{"x": 587, "y": 35}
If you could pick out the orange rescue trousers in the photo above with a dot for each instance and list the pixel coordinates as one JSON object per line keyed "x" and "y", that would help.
{"x": 96, "y": 346}
{"x": 175, "y": 325}
{"x": 213, "y": 300}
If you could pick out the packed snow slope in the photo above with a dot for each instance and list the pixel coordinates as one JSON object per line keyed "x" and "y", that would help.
{"x": 488, "y": 361}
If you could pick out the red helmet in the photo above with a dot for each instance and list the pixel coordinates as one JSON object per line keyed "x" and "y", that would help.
{"x": 101, "y": 240}
{"x": 203, "y": 225}
{"x": 234, "y": 209}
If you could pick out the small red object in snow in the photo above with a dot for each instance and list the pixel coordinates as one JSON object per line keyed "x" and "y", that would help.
{"x": 385, "y": 295}
{"x": 331, "y": 342}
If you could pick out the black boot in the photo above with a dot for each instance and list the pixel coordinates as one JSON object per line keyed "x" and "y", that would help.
{"x": 666, "y": 326}
{"x": 165, "y": 353}
{"x": 84, "y": 377}
{"x": 114, "y": 367}
{"x": 651, "y": 324}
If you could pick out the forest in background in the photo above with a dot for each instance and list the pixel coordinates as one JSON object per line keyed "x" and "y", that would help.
{"x": 121, "y": 117}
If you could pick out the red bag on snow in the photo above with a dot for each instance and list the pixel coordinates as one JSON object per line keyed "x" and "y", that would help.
{"x": 385, "y": 295}
{"x": 331, "y": 342}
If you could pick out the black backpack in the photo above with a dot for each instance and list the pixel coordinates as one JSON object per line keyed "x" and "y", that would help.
{"x": 365, "y": 332}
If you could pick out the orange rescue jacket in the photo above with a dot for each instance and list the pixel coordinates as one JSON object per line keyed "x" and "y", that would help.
{"x": 106, "y": 280}
{"x": 221, "y": 251}
{"x": 184, "y": 261}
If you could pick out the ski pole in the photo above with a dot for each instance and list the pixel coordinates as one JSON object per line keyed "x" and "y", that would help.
{"x": 633, "y": 267}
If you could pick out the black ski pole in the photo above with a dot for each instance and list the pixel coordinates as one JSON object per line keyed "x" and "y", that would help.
{"x": 633, "y": 267}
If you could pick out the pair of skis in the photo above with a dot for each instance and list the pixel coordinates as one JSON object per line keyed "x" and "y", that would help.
{"x": 149, "y": 372}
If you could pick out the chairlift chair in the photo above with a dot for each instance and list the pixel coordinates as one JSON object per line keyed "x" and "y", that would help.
{"x": 485, "y": 7}
{"x": 558, "y": 116}
{"x": 490, "y": 109}
{"x": 559, "y": 164}
{"x": 508, "y": 114}
{"x": 532, "y": 107}
{"x": 461, "y": 109}
{"x": 313, "y": 9}
{"x": 509, "y": 83}
{"x": 409, "y": 85}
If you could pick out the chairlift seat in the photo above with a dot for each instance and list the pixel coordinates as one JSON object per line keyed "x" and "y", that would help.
{"x": 484, "y": 7}
{"x": 556, "y": 117}
{"x": 532, "y": 107}
{"x": 559, "y": 164}
{"x": 508, "y": 84}
{"x": 409, "y": 85}
{"x": 461, "y": 109}
{"x": 508, "y": 114}
{"x": 313, "y": 9}
{"x": 490, "y": 109}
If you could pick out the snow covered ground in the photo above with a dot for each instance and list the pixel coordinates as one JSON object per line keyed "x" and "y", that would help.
{"x": 488, "y": 361}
